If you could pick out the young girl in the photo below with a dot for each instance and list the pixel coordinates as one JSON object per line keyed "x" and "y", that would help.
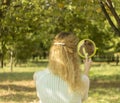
{"x": 63, "y": 81}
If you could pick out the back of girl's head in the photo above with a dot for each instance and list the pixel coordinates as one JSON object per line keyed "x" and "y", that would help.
{"x": 62, "y": 35}
{"x": 68, "y": 38}
{"x": 64, "y": 60}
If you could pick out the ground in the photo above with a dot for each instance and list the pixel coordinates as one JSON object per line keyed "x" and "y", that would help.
{"x": 19, "y": 87}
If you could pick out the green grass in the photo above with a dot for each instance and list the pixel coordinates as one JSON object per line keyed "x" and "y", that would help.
{"x": 18, "y": 87}
{"x": 105, "y": 84}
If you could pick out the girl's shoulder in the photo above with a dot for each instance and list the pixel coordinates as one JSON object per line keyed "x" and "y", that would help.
{"x": 39, "y": 74}
{"x": 85, "y": 79}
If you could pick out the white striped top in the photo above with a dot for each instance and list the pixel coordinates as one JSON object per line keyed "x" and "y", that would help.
{"x": 52, "y": 89}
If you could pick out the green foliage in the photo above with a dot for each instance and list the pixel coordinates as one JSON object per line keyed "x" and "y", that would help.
{"x": 28, "y": 27}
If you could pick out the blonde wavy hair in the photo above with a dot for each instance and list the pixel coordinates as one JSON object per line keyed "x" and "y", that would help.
{"x": 64, "y": 60}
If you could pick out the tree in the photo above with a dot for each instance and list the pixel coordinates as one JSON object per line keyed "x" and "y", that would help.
{"x": 3, "y": 31}
{"x": 28, "y": 27}
{"x": 109, "y": 5}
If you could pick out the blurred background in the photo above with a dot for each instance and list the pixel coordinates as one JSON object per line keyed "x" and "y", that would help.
{"x": 27, "y": 28}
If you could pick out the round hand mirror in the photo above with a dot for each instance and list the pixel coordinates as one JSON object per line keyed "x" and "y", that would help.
{"x": 86, "y": 48}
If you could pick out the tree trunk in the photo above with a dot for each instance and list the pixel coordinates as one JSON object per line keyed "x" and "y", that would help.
{"x": 2, "y": 60}
{"x": 11, "y": 61}
{"x": 110, "y": 6}
{"x": 2, "y": 54}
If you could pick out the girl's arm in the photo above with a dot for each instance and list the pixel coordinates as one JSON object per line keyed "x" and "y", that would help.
{"x": 87, "y": 65}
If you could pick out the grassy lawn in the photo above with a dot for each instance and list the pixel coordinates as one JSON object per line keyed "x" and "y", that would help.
{"x": 18, "y": 87}
{"x": 105, "y": 84}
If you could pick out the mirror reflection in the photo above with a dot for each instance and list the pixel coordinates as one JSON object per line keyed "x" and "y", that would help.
{"x": 86, "y": 48}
